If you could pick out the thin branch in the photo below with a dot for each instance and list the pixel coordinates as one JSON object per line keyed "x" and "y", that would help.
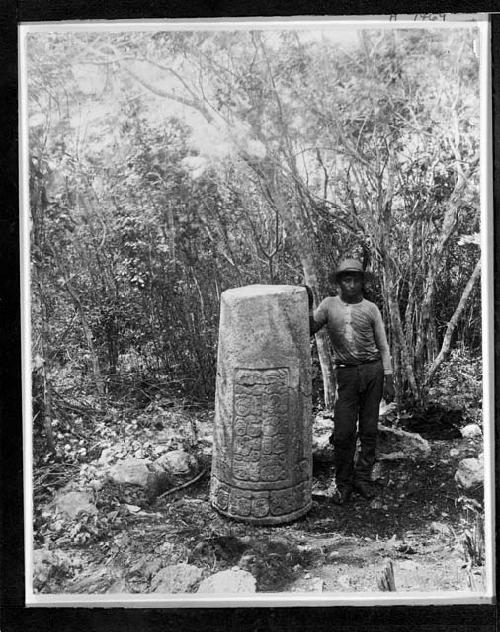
{"x": 445, "y": 348}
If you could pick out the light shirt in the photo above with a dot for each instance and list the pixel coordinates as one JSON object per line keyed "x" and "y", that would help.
{"x": 356, "y": 331}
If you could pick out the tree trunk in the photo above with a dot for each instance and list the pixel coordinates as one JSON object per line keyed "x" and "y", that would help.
{"x": 295, "y": 224}
{"x": 450, "y": 221}
{"x": 41, "y": 384}
{"x": 445, "y": 347}
{"x": 400, "y": 339}
{"x": 324, "y": 355}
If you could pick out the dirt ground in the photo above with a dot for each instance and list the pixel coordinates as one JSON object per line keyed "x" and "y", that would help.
{"x": 416, "y": 521}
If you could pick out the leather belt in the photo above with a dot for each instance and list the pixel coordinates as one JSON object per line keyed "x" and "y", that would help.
{"x": 348, "y": 366}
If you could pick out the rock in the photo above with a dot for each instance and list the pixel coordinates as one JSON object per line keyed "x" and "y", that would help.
{"x": 470, "y": 473}
{"x": 322, "y": 494}
{"x": 323, "y": 422}
{"x": 345, "y": 581}
{"x": 107, "y": 455}
{"x": 387, "y": 409}
{"x": 262, "y": 458}
{"x": 322, "y": 449}
{"x": 440, "y": 528}
{"x": 407, "y": 565}
{"x": 142, "y": 473}
{"x": 317, "y": 584}
{"x": 178, "y": 462}
{"x": 46, "y": 564}
{"x": 307, "y": 584}
{"x": 471, "y": 430}
{"x": 207, "y": 450}
{"x": 404, "y": 444}
{"x": 160, "y": 449}
{"x": 71, "y": 503}
{"x": 454, "y": 452}
{"x": 96, "y": 484}
{"x": 146, "y": 568}
{"x": 392, "y": 456}
{"x": 131, "y": 471}
{"x": 119, "y": 586}
{"x": 94, "y": 580}
{"x": 377, "y": 471}
{"x": 230, "y": 581}
{"x": 178, "y": 578}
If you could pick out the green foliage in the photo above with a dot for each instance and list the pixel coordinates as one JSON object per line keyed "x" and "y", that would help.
{"x": 168, "y": 167}
{"x": 458, "y": 385}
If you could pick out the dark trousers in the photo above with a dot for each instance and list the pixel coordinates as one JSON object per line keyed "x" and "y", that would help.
{"x": 358, "y": 398}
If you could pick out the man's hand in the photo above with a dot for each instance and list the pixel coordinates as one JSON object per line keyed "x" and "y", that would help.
{"x": 310, "y": 297}
{"x": 389, "y": 391}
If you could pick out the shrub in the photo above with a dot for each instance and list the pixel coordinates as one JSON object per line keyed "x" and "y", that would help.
{"x": 458, "y": 384}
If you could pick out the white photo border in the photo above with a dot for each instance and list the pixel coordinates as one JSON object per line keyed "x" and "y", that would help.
{"x": 479, "y": 21}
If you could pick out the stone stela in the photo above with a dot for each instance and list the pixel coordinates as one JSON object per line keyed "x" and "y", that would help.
{"x": 262, "y": 460}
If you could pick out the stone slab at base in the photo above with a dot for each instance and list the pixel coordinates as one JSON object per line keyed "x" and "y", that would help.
{"x": 269, "y": 520}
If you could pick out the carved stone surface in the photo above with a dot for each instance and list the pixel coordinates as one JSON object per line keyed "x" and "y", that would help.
{"x": 262, "y": 463}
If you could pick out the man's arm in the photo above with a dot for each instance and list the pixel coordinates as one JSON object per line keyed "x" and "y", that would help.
{"x": 316, "y": 320}
{"x": 385, "y": 354}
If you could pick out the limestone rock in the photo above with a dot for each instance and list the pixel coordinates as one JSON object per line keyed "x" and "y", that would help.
{"x": 49, "y": 563}
{"x": 322, "y": 449}
{"x": 323, "y": 422}
{"x": 177, "y": 462}
{"x": 393, "y": 456}
{"x": 71, "y": 503}
{"x": 118, "y": 586}
{"x": 229, "y": 581}
{"x": 345, "y": 582}
{"x": 377, "y": 471}
{"x": 95, "y": 580}
{"x": 471, "y": 430}
{"x": 470, "y": 473}
{"x": 131, "y": 471}
{"x": 160, "y": 449}
{"x": 178, "y": 578}
{"x": 440, "y": 528}
{"x": 386, "y": 410}
{"x": 307, "y": 584}
{"x": 405, "y": 444}
{"x": 146, "y": 567}
{"x": 107, "y": 455}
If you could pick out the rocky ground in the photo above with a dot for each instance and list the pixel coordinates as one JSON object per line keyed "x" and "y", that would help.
{"x": 134, "y": 517}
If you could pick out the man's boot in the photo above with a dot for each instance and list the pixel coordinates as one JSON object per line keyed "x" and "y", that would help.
{"x": 363, "y": 469}
{"x": 364, "y": 488}
{"x": 344, "y": 474}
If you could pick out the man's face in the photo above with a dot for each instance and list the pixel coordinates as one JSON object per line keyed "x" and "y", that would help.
{"x": 351, "y": 284}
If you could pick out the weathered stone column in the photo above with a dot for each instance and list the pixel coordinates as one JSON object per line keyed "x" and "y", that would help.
{"x": 262, "y": 461}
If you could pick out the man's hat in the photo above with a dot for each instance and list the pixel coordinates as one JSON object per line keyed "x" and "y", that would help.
{"x": 349, "y": 265}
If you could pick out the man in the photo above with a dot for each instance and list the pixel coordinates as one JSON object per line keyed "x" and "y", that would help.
{"x": 364, "y": 374}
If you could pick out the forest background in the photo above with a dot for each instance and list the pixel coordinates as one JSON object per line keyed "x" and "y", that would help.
{"x": 167, "y": 167}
